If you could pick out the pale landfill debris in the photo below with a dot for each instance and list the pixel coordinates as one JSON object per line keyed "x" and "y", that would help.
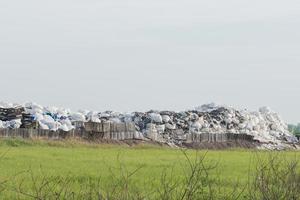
{"x": 265, "y": 125}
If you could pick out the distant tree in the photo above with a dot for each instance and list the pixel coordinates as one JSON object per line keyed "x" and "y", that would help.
{"x": 292, "y": 128}
{"x": 295, "y": 129}
{"x": 298, "y": 128}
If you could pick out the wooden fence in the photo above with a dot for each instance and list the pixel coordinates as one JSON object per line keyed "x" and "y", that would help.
{"x": 114, "y": 131}
{"x": 217, "y": 137}
{"x": 89, "y": 130}
{"x": 129, "y": 135}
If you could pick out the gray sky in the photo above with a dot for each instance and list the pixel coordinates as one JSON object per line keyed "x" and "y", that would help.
{"x": 128, "y": 55}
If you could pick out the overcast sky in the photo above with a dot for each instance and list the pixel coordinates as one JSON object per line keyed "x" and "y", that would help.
{"x": 128, "y": 55}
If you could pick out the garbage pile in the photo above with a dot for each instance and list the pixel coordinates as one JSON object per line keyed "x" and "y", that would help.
{"x": 166, "y": 126}
{"x": 28, "y": 121}
{"x": 10, "y": 115}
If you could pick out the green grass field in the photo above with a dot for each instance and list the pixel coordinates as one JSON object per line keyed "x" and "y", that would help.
{"x": 25, "y": 163}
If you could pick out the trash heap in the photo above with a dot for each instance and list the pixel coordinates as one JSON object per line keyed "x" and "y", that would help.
{"x": 165, "y": 126}
{"x": 10, "y": 115}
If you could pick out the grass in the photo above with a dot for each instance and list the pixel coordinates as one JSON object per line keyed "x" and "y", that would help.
{"x": 25, "y": 162}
